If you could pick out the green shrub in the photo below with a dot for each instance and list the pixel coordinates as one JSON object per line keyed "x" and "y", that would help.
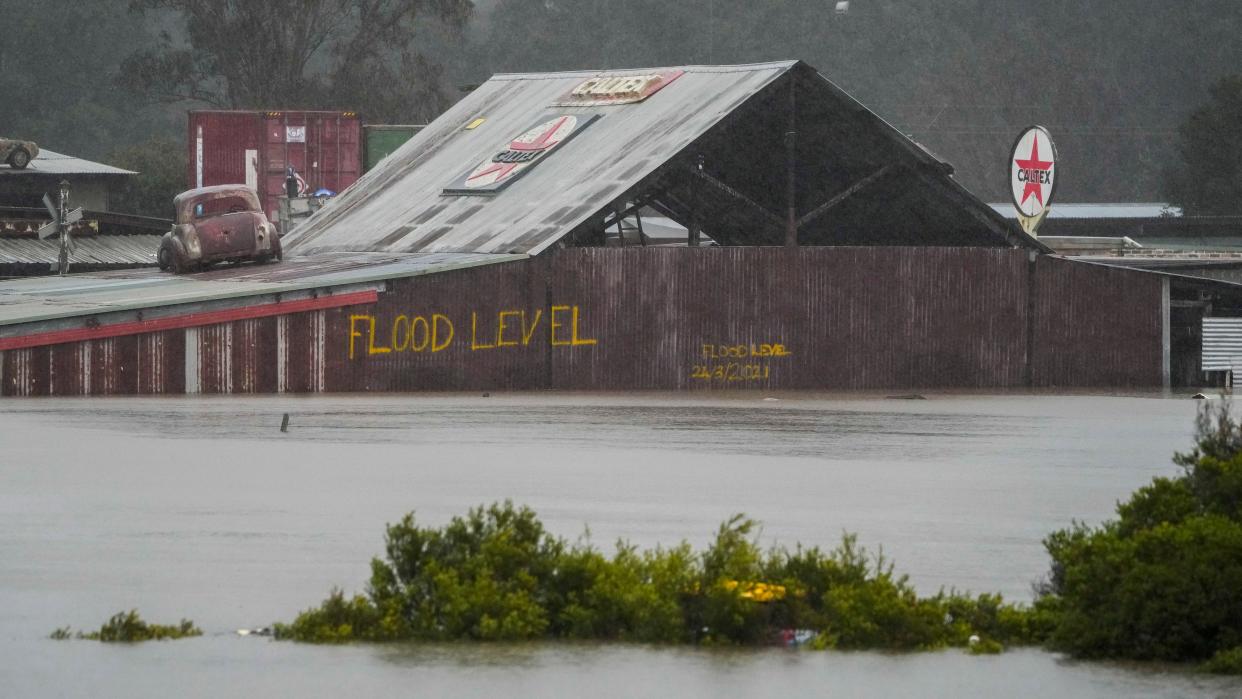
{"x": 128, "y": 627}
{"x": 1225, "y": 662}
{"x": 985, "y": 646}
{"x": 1162, "y": 581}
{"x": 495, "y": 574}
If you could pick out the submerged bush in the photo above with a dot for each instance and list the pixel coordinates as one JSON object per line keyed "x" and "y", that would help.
{"x": 1163, "y": 581}
{"x": 496, "y": 574}
{"x": 1225, "y": 662}
{"x": 128, "y": 627}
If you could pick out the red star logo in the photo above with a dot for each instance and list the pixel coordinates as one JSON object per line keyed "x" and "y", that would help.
{"x": 502, "y": 168}
{"x": 1033, "y": 163}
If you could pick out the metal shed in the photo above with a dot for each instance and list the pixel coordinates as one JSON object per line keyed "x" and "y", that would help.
{"x": 761, "y": 154}
{"x": 846, "y": 257}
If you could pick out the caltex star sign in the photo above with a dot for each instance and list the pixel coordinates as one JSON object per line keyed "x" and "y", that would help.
{"x": 1032, "y": 171}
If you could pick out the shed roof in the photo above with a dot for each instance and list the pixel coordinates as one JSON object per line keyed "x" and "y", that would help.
{"x": 1119, "y": 210}
{"x": 708, "y": 147}
{"x": 90, "y": 250}
{"x": 48, "y": 163}
{"x": 50, "y": 299}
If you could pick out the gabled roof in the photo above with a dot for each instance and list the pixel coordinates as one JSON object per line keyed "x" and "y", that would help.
{"x": 709, "y": 147}
{"x": 52, "y": 163}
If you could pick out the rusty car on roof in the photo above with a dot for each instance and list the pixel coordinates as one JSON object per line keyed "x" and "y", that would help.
{"x": 18, "y": 154}
{"x": 223, "y": 223}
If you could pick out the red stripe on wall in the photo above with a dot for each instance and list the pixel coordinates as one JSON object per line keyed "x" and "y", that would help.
{"x": 187, "y": 321}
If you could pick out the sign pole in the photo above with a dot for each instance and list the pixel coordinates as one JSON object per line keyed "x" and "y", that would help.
{"x": 63, "y": 266}
{"x": 62, "y": 219}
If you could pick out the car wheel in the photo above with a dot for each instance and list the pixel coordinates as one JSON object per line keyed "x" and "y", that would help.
{"x": 165, "y": 258}
{"x": 19, "y": 158}
{"x": 179, "y": 266}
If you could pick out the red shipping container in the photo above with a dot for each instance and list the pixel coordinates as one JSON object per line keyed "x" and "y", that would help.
{"x": 255, "y": 147}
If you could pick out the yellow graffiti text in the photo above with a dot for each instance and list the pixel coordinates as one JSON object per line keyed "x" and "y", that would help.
{"x": 518, "y": 328}
{"x": 559, "y": 339}
{"x": 416, "y": 334}
{"x": 730, "y": 371}
{"x": 741, "y": 351}
{"x": 434, "y": 332}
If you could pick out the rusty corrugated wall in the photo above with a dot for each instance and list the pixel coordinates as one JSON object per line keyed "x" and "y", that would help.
{"x": 668, "y": 318}
{"x": 1096, "y": 326}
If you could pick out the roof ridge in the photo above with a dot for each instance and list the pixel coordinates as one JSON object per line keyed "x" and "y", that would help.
{"x": 705, "y": 68}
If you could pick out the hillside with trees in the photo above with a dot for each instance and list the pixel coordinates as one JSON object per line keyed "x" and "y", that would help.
{"x": 1114, "y": 82}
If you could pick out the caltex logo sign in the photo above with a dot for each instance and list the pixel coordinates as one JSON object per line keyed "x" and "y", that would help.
{"x": 1032, "y": 172}
{"x": 614, "y": 88}
{"x": 522, "y": 153}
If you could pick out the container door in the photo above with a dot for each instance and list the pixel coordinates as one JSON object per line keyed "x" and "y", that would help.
{"x": 222, "y": 147}
{"x": 339, "y": 151}
{"x": 286, "y": 146}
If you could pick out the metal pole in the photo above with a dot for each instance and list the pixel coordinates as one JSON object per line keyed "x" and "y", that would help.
{"x": 791, "y": 185}
{"x": 692, "y": 233}
{"x": 62, "y": 266}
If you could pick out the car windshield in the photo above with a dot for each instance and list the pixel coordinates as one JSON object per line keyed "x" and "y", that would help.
{"x": 221, "y": 205}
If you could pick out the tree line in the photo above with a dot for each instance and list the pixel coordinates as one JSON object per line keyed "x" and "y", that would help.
{"x": 1114, "y": 82}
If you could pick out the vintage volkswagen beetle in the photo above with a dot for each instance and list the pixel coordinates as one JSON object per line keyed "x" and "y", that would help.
{"x": 218, "y": 224}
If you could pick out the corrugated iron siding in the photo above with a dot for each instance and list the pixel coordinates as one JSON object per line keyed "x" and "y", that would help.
{"x": 1222, "y": 344}
{"x": 1096, "y": 325}
{"x": 449, "y": 318}
{"x": 672, "y": 318}
{"x": 849, "y": 317}
{"x": 669, "y": 318}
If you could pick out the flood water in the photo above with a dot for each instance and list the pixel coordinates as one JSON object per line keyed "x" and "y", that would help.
{"x": 202, "y": 508}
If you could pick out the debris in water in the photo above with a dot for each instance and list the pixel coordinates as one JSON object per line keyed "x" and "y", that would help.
{"x": 284, "y": 423}
{"x": 908, "y": 396}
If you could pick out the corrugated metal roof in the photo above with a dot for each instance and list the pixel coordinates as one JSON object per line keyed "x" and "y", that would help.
{"x": 88, "y": 250}
{"x": 53, "y": 163}
{"x": 40, "y": 299}
{"x": 401, "y": 205}
{"x": 586, "y": 173}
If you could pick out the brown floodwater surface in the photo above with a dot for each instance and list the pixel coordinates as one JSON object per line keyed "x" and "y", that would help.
{"x": 202, "y": 508}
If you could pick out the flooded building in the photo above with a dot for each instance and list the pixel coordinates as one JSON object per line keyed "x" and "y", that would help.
{"x": 504, "y": 247}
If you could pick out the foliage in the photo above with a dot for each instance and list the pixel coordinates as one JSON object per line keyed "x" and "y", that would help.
{"x": 496, "y": 574}
{"x": 128, "y": 627}
{"x": 1113, "y": 80}
{"x": 985, "y": 646}
{"x": 1162, "y": 581}
{"x": 1225, "y": 662}
{"x": 288, "y": 54}
{"x": 58, "y": 61}
{"x": 1208, "y": 176}
{"x": 61, "y": 634}
{"x": 161, "y": 166}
